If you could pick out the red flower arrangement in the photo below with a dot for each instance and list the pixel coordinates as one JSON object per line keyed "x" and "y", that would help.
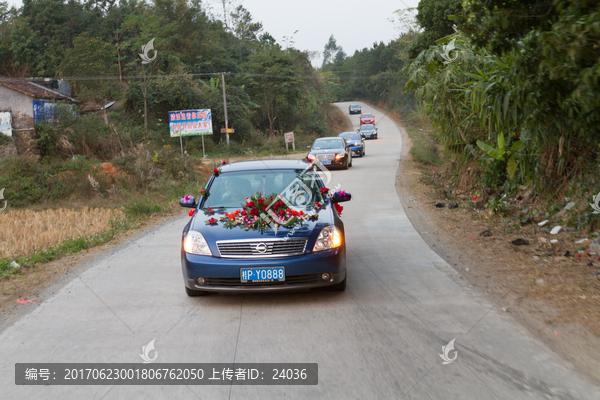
{"x": 223, "y": 162}
{"x": 212, "y": 221}
{"x": 261, "y": 212}
{"x": 324, "y": 191}
{"x": 216, "y": 172}
{"x": 204, "y": 193}
{"x": 209, "y": 211}
{"x": 191, "y": 213}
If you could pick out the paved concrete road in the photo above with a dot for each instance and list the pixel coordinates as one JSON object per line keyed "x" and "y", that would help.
{"x": 378, "y": 340}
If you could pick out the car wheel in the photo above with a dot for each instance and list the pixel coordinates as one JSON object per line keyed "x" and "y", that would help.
{"x": 363, "y": 153}
{"x": 345, "y": 165}
{"x": 350, "y": 161}
{"x": 195, "y": 293}
{"x": 339, "y": 287}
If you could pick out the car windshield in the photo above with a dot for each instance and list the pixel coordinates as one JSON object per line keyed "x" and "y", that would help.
{"x": 298, "y": 187}
{"x": 367, "y": 116}
{"x": 327, "y": 144}
{"x": 354, "y": 106}
{"x": 367, "y": 127}
{"x": 350, "y": 135}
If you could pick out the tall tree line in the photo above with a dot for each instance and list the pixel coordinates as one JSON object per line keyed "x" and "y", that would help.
{"x": 102, "y": 39}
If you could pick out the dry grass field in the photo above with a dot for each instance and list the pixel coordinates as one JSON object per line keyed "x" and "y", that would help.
{"x": 23, "y": 232}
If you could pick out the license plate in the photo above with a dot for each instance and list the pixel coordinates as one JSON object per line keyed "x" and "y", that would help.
{"x": 261, "y": 274}
{"x": 326, "y": 162}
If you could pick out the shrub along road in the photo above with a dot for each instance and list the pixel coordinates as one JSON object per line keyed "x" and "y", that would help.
{"x": 379, "y": 339}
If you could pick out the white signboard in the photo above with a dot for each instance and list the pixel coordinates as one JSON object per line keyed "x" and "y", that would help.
{"x": 289, "y": 138}
{"x": 5, "y": 123}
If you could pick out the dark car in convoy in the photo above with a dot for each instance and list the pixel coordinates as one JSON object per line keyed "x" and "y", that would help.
{"x": 331, "y": 152}
{"x": 367, "y": 119}
{"x": 368, "y": 131}
{"x": 232, "y": 244}
{"x": 354, "y": 109}
{"x": 355, "y": 142}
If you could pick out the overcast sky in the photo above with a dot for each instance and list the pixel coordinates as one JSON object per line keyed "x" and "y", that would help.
{"x": 356, "y": 24}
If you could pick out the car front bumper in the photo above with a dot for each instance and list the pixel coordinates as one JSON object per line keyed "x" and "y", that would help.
{"x": 356, "y": 149}
{"x": 301, "y": 272}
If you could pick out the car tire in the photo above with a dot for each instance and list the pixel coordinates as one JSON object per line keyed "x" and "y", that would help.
{"x": 350, "y": 161}
{"x": 195, "y": 293}
{"x": 339, "y": 287}
{"x": 363, "y": 153}
{"x": 346, "y": 165}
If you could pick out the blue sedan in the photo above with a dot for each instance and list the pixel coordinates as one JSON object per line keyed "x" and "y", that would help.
{"x": 264, "y": 226}
{"x": 355, "y": 141}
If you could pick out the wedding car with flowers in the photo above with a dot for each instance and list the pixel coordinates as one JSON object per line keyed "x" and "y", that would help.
{"x": 264, "y": 225}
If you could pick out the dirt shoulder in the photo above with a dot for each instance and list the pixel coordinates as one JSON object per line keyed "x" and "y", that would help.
{"x": 555, "y": 297}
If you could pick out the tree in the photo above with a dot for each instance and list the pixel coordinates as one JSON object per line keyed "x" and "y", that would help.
{"x": 91, "y": 57}
{"x": 332, "y": 52}
{"x": 434, "y": 18}
{"x": 275, "y": 80}
{"x": 243, "y": 27}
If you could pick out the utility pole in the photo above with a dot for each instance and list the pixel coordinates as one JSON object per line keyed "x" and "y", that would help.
{"x": 225, "y": 108}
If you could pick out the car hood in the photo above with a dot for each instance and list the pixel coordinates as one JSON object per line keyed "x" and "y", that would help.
{"x": 212, "y": 233}
{"x": 327, "y": 151}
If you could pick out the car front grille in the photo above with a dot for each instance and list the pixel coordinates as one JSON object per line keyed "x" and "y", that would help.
{"x": 322, "y": 157}
{"x": 259, "y": 248}
{"x": 289, "y": 280}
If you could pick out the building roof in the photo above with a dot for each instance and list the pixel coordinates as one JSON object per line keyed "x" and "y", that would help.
{"x": 32, "y": 89}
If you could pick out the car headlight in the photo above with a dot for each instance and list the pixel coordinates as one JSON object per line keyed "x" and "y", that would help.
{"x": 339, "y": 156}
{"x": 195, "y": 243}
{"x": 329, "y": 238}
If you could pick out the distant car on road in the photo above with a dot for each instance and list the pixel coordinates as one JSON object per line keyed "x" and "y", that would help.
{"x": 367, "y": 119}
{"x": 355, "y": 142}
{"x": 331, "y": 151}
{"x": 354, "y": 109}
{"x": 368, "y": 131}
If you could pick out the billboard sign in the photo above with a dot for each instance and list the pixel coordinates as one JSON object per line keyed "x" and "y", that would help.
{"x": 190, "y": 122}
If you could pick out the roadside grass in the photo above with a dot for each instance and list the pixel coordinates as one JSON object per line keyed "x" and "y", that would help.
{"x": 12, "y": 265}
{"x": 425, "y": 148}
{"x": 24, "y": 232}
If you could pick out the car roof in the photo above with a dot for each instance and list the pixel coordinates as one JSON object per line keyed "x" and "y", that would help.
{"x": 327, "y": 137}
{"x": 356, "y": 133}
{"x": 263, "y": 164}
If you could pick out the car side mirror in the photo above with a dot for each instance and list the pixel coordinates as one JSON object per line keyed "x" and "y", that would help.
{"x": 188, "y": 201}
{"x": 309, "y": 147}
{"x": 340, "y": 197}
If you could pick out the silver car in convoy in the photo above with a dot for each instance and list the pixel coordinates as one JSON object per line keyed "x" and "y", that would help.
{"x": 368, "y": 131}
